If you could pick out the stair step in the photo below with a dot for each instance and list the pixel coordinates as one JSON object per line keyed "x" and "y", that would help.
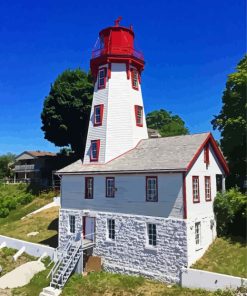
{"x": 49, "y": 291}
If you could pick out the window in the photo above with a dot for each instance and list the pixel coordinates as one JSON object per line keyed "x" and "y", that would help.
{"x": 98, "y": 114}
{"x": 195, "y": 189}
{"x": 152, "y": 235}
{"x": 206, "y": 154}
{"x": 151, "y": 189}
{"x": 110, "y": 187}
{"x": 102, "y": 78}
{"x": 207, "y": 188}
{"x": 139, "y": 115}
{"x": 134, "y": 78}
{"x": 198, "y": 233}
{"x": 72, "y": 224}
{"x": 89, "y": 187}
{"x": 94, "y": 151}
{"x": 111, "y": 229}
{"x": 219, "y": 182}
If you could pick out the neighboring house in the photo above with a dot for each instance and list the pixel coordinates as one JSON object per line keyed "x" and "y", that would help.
{"x": 34, "y": 166}
{"x": 147, "y": 202}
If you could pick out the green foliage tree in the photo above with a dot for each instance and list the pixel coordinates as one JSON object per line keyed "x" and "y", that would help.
{"x": 230, "y": 209}
{"x": 5, "y": 161}
{"x": 66, "y": 110}
{"x": 166, "y": 123}
{"x": 231, "y": 122}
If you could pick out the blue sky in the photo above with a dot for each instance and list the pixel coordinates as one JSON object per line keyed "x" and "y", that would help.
{"x": 190, "y": 47}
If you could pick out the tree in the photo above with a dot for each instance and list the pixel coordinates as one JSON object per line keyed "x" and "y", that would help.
{"x": 231, "y": 122}
{"x": 5, "y": 161}
{"x": 230, "y": 208}
{"x": 66, "y": 110}
{"x": 166, "y": 123}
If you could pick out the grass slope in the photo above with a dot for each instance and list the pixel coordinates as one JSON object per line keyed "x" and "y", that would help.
{"x": 7, "y": 262}
{"x": 37, "y": 283}
{"x": 41, "y": 222}
{"x": 107, "y": 284}
{"x": 225, "y": 255}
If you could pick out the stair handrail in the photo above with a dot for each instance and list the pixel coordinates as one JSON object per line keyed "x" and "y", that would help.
{"x": 64, "y": 251}
{"x": 90, "y": 234}
{"x": 77, "y": 245}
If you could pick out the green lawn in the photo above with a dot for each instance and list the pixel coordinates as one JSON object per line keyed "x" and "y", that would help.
{"x": 225, "y": 255}
{"x": 37, "y": 283}
{"x": 7, "y": 262}
{"x": 45, "y": 222}
{"x": 107, "y": 284}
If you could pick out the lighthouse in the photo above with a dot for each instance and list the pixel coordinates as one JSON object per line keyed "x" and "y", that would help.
{"x": 117, "y": 120}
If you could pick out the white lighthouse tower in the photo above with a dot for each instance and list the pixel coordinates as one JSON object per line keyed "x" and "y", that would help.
{"x": 117, "y": 121}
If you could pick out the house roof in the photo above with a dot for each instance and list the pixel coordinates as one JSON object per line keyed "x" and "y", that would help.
{"x": 157, "y": 154}
{"x": 37, "y": 153}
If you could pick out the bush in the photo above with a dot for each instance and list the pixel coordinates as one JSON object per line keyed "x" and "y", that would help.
{"x": 230, "y": 208}
{"x": 12, "y": 196}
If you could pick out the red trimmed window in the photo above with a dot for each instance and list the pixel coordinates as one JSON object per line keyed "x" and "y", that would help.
{"x": 94, "y": 150}
{"x": 102, "y": 78}
{"x": 110, "y": 187}
{"x": 195, "y": 189}
{"x": 207, "y": 188}
{"x": 139, "y": 115}
{"x": 98, "y": 114}
{"x": 88, "y": 187}
{"x": 152, "y": 188}
{"x": 206, "y": 154}
{"x": 134, "y": 79}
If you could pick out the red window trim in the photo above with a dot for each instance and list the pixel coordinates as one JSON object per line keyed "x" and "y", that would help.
{"x": 206, "y": 154}
{"x": 193, "y": 178}
{"x": 136, "y": 115}
{"x": 153, "y": 177}
{"x": 209, "y": 178}
{"x": 108, "y": 178}
{"x": 101, "y": 106}
{"x": 132, "y": 79}
{"x": 105, "y": 76}
{"x": 98, "y": 148}
{"x": 86, "y": 187}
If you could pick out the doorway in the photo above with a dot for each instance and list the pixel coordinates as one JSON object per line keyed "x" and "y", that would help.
{"x": 88, "y": 228}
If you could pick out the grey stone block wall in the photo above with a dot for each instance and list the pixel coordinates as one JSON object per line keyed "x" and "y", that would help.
{"x": 129, "y": 252}
{"x": 64, "y": 228}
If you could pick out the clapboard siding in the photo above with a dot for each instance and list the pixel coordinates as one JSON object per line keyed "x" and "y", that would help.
{"x": 118, "y": 132}
{"x": 130, "y": 197}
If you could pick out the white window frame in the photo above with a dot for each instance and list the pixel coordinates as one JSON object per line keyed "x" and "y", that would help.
{"x": 110, "y": 187}
{"x": 198, "y": 232}
{"x": 72, "y": 224}
{"x": 151, "y": 188}
{"x": 111, "y": 229}
{"x": 135, "y": 79}
{"x": 151, "y": 235}
{"x": 97, "y": 116}
{"x": 101, "y": 78}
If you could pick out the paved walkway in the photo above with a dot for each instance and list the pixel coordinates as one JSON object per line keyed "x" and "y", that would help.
{"x": 22, "y": 275}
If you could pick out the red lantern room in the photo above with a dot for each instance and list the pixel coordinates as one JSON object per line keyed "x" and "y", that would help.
{"x": 116, "y": 45}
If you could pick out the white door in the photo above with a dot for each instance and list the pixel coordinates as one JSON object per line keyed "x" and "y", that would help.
{"x": 88, "y": 227}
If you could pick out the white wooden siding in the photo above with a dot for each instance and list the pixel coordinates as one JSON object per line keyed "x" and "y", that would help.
{"x": 200, "y": 169}
{"x": 130, "y": 197}
{"x": 118, "y": 132}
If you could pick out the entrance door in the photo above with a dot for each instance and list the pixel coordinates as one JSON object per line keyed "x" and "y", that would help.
{"x": 88, "y": 227}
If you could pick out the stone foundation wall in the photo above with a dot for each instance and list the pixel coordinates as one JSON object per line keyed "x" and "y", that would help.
{"x": 129, "y": 252}
{"x": 64, "y": 228}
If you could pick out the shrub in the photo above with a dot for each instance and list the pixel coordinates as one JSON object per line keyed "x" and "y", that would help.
{"x": 230, "y": 208}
